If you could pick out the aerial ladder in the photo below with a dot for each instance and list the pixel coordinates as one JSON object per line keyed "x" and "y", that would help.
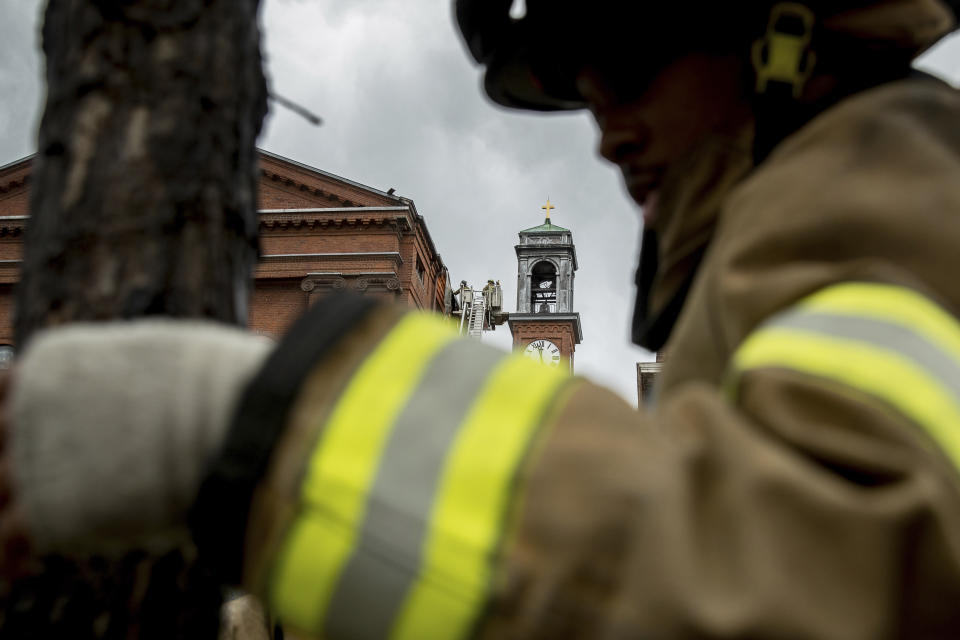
{"x": 480, "y": 310}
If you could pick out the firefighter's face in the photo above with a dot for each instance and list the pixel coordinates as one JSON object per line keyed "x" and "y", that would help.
{"x": 647, "y": 126}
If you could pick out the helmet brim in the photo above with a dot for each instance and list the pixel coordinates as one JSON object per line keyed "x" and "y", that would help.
{"x": 532, "y": 71}
{"x": 521, "y": 78}
{"x": 535, "y": 78}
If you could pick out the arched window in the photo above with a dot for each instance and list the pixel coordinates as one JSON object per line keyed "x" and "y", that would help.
{"x": 544, "y": 288}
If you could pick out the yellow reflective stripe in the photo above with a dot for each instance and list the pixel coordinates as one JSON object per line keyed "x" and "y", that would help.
{"x": 468, "y": 516}
{"x": 894, "y": 304}
{"x": 343, "y": 466}
{"x": 885, "y": 374}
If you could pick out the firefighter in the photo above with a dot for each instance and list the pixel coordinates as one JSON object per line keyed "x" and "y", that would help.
{"x": 798, "y": 476}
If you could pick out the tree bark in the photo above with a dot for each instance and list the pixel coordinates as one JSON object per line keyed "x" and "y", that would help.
{"x": 143, "y": 203}
{"x": 143, "y": 192}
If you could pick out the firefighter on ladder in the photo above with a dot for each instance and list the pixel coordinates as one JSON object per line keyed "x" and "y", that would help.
{"x": 798, "y": 477}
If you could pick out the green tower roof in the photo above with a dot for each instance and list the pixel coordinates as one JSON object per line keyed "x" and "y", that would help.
{"x": 546, "y": 226}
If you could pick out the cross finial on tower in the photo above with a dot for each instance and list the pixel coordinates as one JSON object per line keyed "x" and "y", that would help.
{"x": 547, "y": 207}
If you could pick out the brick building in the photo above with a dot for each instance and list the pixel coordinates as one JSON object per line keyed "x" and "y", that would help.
{"x": 319, "y": 233}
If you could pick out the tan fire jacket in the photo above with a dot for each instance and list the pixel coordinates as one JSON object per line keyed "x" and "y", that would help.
{"x": 797, "y": 478}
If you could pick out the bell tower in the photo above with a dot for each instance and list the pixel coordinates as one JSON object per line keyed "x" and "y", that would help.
{"x": 545, "y": 326}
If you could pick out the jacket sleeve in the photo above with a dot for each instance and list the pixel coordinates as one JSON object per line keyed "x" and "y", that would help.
{"x": 420, "y": 486}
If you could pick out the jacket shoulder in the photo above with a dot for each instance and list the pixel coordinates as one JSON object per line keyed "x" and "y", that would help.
{"x": 866, "y": 191}
{"x": 885, "y": 128}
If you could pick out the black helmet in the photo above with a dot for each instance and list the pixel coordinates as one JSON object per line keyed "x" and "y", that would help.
{"x": 532, "y": 61}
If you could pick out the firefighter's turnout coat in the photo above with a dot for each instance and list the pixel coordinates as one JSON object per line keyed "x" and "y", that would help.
{"x": 798, "y": 476}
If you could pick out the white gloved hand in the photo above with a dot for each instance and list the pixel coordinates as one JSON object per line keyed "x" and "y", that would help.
{"x": 112, "y": 426}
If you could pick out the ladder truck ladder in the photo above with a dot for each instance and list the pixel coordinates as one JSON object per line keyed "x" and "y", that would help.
{"x": 477, "y": 317}
{"x": 473, "y": 318}
{"x": 478, "y": 308}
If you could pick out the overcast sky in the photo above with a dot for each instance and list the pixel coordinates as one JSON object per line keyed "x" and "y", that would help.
{"x": 403, "y": 108}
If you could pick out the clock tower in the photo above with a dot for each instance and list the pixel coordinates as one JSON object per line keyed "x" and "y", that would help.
{"x": 545, "y": 326}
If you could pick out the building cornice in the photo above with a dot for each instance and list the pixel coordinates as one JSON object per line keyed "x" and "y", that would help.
{"x": 15, "y": 184}
{"x": 530, "y": 250}
{"x": 355, "y": 255}
{"x": 331, "y": 210}
{"x": 550, "y": 318}
{"x": 12, "y": 225}
{"x": 359, "y": 281}
{"x": 337, "y": 217}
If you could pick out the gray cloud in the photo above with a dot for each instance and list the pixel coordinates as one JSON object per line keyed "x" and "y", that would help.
{"x": 20, "y": 78}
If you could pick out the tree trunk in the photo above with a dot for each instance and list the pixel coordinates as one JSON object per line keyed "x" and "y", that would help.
{"x": 143, "y": 203}
{"x": 143, "y": 192}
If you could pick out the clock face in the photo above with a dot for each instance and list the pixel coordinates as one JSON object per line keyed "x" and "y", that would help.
{"x": 543, "y": 351}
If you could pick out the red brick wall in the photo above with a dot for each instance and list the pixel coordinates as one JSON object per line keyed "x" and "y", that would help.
{"x": 279, "y": 295}
{"x": 274, "y": 305}
{"x": 11, "y": 248}
{"x": 15, "y": 204}
{"x": 328, "y": 241}
{"x": 14, "y": 195}
{"x": 6, "y": 314}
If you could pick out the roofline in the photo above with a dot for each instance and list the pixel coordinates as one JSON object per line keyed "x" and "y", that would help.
{"x": 537, "y": 229}
{"x": 426, "y": 232}
{"x": 281, "y": 211}
{"x": 546, "y": 223}
{"x": 16, "y": 162}
{"x": 327, "y": 174}
{"x": 275, "y": 156}
{"x": 333, "y": 209}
